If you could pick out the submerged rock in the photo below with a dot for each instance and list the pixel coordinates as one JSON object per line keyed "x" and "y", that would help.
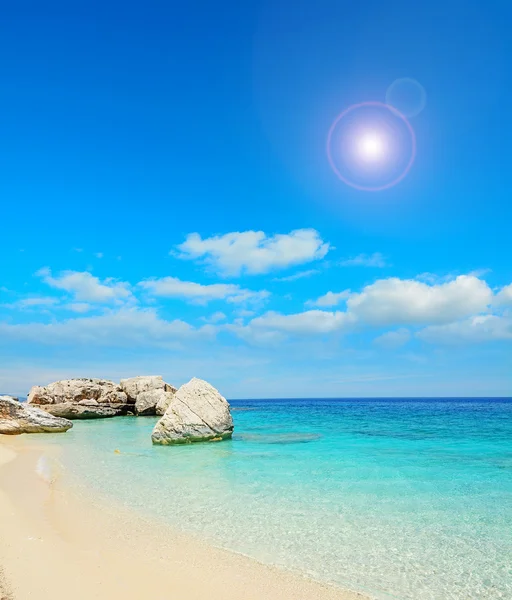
{"x": 144, "y": 383}
{"x": 80, "y": 398}
{"x": 17, "y": 417}
{"x": 196, "y": 413}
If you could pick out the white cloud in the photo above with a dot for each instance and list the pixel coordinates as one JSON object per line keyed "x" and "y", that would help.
{"x": 38, "y": 301}
{"x": 480, "y": 272}
{"x": 308, "y": 322}
{"x": 248, "y": 296}
{"x": 253, "y": 252}
{"x": 254, "y": 335}
{"x": 171, "y": 287}
{"x": 504, "y": 296}
{"x": 245, "y": 313}
{"x": 481, "y": 328}
{"x": 215, "y": 318}
{"x": 436, "y": 278}
{"x": 329, "y": 299}
{"x": 387, "y": 302}
{"x": 127, "y": 327}
{"x": 459, "y": 308}
{"x": 78, "y": 307}
{"x": 398, "y": 301}
{"x": 393, "y": 339}
{"x": 99, "y": 255}
{"x": 86, "y": 287}
{"x": 34, "y": 302}
{"x": 299, "y": 275}
{"x": 365, "y": 260}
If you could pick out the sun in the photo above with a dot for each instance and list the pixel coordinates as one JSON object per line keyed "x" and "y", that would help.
{"x": 371, "y": 146}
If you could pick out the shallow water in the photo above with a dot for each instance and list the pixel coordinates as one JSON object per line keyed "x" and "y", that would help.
{"x": 408, "y": 499}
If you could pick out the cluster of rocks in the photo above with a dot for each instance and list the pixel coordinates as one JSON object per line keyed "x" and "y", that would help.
{"x": 150, "y": 395}
{"x": 100, "y": 398}
{"x": 195, "y": 412}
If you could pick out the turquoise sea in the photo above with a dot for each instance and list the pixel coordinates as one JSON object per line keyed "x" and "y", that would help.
{"x": 408, "y": 499}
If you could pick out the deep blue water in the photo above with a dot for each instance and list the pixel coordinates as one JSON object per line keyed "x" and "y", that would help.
{"x": 408, "y": 499}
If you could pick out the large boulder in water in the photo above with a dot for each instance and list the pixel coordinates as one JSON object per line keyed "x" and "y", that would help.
{"x": 17, "y": 417}
{"x": 144, "y": 383}
{"x": 197, "y": 413}
{"x": 80, "y": 398}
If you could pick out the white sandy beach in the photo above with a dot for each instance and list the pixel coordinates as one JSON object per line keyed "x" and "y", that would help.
{"x": 56, "y": 545}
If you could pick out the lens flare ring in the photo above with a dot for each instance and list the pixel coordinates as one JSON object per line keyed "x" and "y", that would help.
{"x": 395, "y": 113}
{"x": 407, "y": 95}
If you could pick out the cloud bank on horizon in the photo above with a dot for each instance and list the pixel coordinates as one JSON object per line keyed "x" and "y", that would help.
{"x": 288, "y": 318}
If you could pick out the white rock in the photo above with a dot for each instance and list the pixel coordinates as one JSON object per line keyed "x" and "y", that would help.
{"x": 80, "y": 398}
{"x": 79, "y": 410}
{"x": 147, "y": 402}
{"x": 17, "y": 417}
{"x": 76, "y": 390}
{"x": 144, "y": 383}
{"x": 88, "y": 402}
{"x": 164, "y": 401}
{"x": 197, "y": 413}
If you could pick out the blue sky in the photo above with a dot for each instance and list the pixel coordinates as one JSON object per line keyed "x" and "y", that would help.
{"x": 168, "y": 206}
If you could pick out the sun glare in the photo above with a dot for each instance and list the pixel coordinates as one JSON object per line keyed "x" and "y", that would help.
{"x": 371, "y": 146}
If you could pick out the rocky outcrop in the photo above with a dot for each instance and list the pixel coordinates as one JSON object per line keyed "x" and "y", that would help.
{"x": 80, "y": 398}
{"x": 76, "y": 390}
{"x": 144, "y": 383}
{"x": 147, "y": 402}
{"x": 196, "y": 413}
{"x": 164, "y": 402}
{"x": 68, "y": 410}
{"x": 145, "y": 392}
{"x": 17, "y": 417}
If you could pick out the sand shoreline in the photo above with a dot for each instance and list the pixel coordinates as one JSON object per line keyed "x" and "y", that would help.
{"x": 54, "y": 544}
